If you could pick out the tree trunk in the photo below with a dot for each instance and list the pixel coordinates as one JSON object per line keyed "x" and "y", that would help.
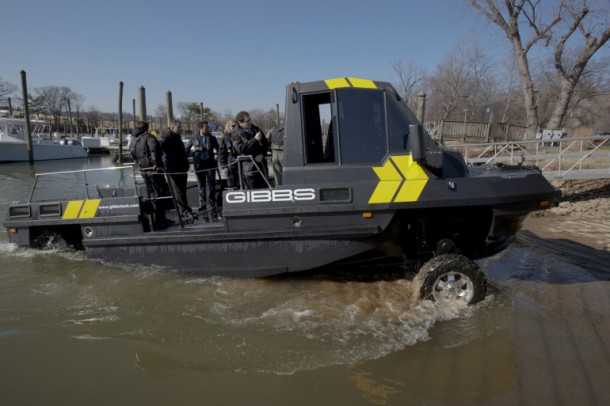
{"x": 566, "y": 91}
{"x": 527, "y": 87}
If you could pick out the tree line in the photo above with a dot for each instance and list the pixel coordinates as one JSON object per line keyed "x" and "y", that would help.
{"x": 552, "y": 75}
{"x": 64, "y": 109}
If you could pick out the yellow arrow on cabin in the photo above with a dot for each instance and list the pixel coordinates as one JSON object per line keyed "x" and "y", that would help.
{"x": 401, "y": 180}
{"x": 416, "y": 179}
{"x": 389, "y": 182}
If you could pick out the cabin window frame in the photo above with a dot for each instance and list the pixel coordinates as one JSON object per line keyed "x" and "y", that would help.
{"x": 334, "y": 120}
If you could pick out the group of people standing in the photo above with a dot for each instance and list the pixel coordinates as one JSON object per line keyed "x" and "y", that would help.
{"x": 163, "y": 163}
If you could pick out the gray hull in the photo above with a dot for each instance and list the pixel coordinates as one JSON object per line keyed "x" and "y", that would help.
{"x": 17, "y": 152}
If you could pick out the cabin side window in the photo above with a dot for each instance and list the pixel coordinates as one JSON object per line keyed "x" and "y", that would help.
{"x": 318, "y": 126}
{"x": 362, "y": 126}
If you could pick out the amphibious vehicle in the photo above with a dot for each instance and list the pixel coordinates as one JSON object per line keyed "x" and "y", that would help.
{"x": 363, "y": 183}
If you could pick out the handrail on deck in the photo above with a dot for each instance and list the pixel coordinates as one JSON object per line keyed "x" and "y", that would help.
{"x": 106, "y": 168}
{"x": 83, "y": 171}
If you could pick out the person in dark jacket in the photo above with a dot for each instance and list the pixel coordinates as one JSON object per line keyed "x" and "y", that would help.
{"x": 276, "y": 138}
{"x": 204, "y": 146}
{"x": 227, "y": 156}
{"x": 177, "y": 165}
{"x": 145, "y": 151}
{"x": 249, "y": 140}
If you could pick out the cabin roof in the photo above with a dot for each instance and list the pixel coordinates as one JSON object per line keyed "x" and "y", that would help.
{"x": 341, "y": 82}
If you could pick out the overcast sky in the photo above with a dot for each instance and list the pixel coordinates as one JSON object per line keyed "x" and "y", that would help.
{"x": 231, "y": 55}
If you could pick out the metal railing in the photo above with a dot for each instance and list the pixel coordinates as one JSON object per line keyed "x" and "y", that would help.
{"x": 77, "y": 184}
{"x": 567, "y": 158}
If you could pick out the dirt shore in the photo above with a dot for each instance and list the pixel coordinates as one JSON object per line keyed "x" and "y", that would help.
{"x": 583, "y": 214}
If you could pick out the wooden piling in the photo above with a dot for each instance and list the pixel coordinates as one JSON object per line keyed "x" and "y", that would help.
{"x": 143, "y": 115}
{"x": 170, "y": 108}
{"x": 133, "y": 115}
{"x": 10, "y": 108}
{"x": 421, "y": 107}
{"x": 120, "y": 160}
{"x": 77, "y": 124}
{"x": 70, "y": 124}
{"x": 26, "y": 113}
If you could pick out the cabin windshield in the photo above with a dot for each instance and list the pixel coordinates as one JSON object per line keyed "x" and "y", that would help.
{"x": 362, "y": 125}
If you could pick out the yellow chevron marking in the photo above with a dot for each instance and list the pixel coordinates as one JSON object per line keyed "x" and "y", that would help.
{"x": 90, "y": 209}
{"x": 416, "y": 179}
{"x": 72, "y": 209}
{"x": 389, "y": 182}
{"x": 362, "y": 83}
{"x": 336, "y": 83}
{"x": 401, "y": 180}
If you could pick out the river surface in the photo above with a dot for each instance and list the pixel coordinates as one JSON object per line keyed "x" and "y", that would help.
{"x": 75, "y": 331}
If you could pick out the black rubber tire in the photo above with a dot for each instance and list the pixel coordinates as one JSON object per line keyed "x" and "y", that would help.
{"x": 441, "y": 264}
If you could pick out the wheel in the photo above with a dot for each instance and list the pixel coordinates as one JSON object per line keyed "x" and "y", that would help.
{"x": 49, "y": 240}
{"x": 452, "y": 278}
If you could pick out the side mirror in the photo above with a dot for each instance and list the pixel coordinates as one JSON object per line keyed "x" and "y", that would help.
{"x": 416, "y": 143}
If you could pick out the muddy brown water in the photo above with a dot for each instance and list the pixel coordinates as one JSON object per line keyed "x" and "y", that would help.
{"x": 74, "y": 331}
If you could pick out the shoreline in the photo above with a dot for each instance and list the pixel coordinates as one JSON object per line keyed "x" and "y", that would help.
{"x": 583, "y": 215}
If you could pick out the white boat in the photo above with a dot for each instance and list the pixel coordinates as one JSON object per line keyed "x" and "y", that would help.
{"x": 13, "y": 144}
{"x": 95, "y": 144}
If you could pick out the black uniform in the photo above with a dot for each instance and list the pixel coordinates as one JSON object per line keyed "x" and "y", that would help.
{"x": 206, "y": 167}
{"x": 227, "y": 156}
{"x": 145, "y": 150}
{"x": 246, "y": 144}
{"x": 176, "y": 165}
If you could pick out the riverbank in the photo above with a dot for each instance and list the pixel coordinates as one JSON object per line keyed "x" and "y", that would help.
{"x": 582, "y": 216}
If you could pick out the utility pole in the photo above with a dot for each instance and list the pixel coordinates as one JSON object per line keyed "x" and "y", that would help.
{"x": 170, "y": 108}
{"x": 277, "y": 111}
{"x": 202, "y": 111}
{"x": 120, "y": 123}
{"x": 142, "y": 103}
{"x": 26, "y": 113}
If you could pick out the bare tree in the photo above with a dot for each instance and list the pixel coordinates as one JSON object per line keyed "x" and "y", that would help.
{"x": 410, "y": 81}
{"x": 574, "y": 30}
{"x": 464, "y": 82}
{"x": 52, "y": 100}
{"x": 265, "y": 119}
{"x": 583, "y": 108}
{"x": 6, "y": 88}
{"x": 594, "y": 29}
{"x": 523, "y": 23}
